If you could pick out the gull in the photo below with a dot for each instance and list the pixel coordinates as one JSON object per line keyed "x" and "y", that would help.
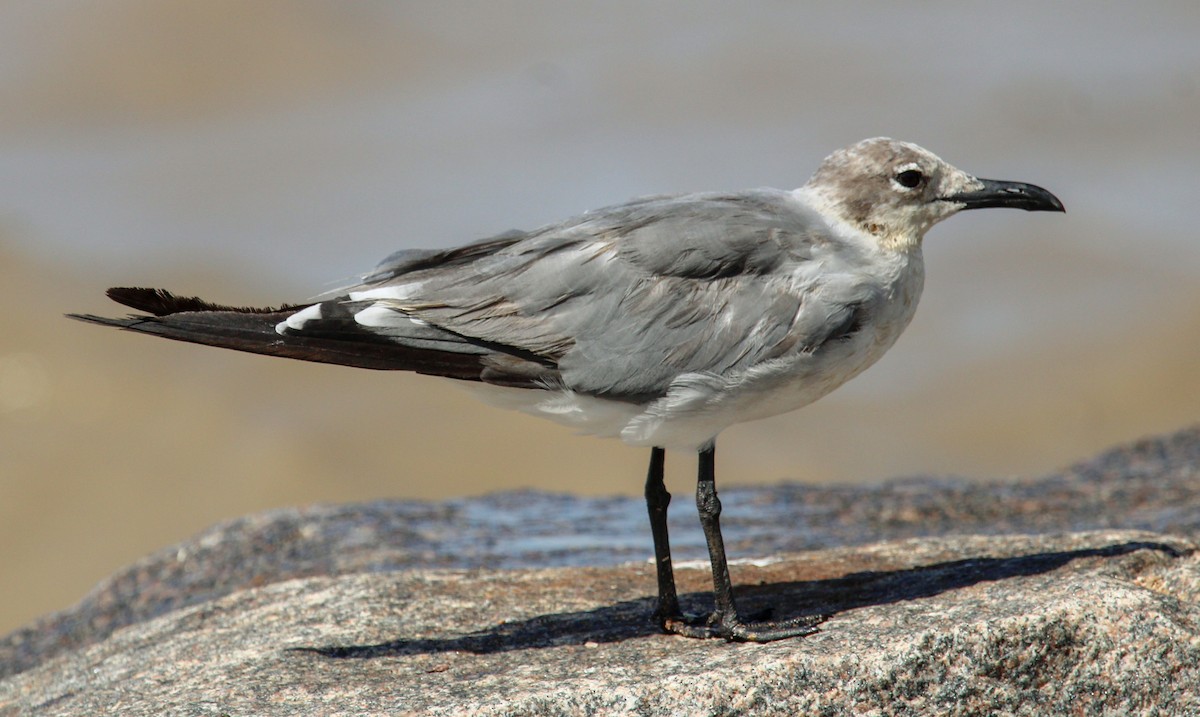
{"x": 660, "y": 321}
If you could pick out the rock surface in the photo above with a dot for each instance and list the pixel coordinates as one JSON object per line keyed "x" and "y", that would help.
{"x": 1091, "y": 607}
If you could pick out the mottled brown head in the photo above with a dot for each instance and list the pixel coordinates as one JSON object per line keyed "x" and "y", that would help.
{"x": 897, "y": 190}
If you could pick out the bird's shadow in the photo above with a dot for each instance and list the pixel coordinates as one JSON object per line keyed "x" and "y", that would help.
{"x": 786, "y": 600}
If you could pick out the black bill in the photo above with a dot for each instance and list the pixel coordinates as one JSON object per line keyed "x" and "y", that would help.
{"x": 1017, "y": 195}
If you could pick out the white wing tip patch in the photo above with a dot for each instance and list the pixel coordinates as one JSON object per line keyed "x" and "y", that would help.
{"x": 296, "y": 321}
{"x": 381, "y": 317}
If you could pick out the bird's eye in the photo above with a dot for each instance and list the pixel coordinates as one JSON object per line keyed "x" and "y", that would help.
{"x": 910, "y": 178}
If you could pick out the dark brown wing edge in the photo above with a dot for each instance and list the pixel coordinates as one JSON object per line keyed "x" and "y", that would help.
{"x": 161, "y": 302}
{"x": 255, "y": 333}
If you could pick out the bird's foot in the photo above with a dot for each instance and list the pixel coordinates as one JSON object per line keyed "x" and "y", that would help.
{"x": 730, "y": 627}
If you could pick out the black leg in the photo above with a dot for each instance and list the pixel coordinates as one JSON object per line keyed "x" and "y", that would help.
{"x": 657, "y": 500}
{"x": 725, "y": 622}
{"x": 709, "y": 507}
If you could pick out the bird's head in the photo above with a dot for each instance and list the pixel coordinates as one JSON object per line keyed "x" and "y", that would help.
{"x": 896, "y": 190}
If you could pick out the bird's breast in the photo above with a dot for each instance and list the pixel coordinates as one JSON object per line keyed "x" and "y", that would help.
{"x": 807, "y": 375}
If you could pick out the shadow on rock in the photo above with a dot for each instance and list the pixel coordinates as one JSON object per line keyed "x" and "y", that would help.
{"x": 784, "y": 600}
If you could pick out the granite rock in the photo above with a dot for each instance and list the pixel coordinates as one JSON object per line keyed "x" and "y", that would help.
{"x": 1086, "y": 623}
{"x": 1071, "y": 594}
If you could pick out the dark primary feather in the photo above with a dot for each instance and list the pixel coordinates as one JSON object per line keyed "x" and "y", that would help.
{"x": 341, "y": 340}
{"x": 160, "y": 302}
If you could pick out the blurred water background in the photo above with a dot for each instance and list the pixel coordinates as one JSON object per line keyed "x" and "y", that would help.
{"x": 258, "y": 152}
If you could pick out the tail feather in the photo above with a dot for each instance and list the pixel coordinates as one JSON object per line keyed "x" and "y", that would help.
{"x": 253, "y": 330}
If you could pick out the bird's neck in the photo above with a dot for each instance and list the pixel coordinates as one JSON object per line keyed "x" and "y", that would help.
{"x": 903, "y": 240}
